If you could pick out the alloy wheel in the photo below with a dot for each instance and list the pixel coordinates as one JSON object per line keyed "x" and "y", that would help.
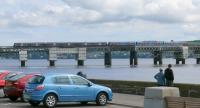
{"x": 50, "y": 101}
{"x": 102, "y": 99}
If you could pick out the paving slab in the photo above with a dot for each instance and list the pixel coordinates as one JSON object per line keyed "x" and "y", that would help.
{"x": 136, "y": 101}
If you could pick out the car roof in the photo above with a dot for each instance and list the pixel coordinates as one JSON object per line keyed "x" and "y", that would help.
{"x": 1, "y": 71}
{"x": 33, "y": 73}
{"x": 21, "y": 75}
{"x": 48, "y": 74}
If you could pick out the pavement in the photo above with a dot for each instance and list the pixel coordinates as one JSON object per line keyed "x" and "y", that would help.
{"x": 128, "y": 100}
{"x": 119, "y": 101}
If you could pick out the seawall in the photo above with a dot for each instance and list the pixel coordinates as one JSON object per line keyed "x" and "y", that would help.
{"x": 138, "y": 87}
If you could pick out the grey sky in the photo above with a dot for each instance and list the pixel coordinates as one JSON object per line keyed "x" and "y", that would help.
{"x": 98, "y": 20}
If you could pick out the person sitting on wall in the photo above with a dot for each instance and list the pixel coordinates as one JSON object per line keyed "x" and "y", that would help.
{"x": 81, "y": 74}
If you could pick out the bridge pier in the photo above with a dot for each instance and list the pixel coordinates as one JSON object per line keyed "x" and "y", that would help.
{"x": 155, "y": 61}
{"x": 133, "y": 58}
{"x": 52, "y": 56}
{"x": 23, "y": 63}
{"x": 108, "y": 58}
{"x": 181, "y": 55}
{"x": 198, "y": 60}
{"x": 23, "y": 57}
{"x": 81, "y": 56}
{"x": 80, "y": 62}
{"x": 180, "y": 59}
{"x": 197, "y": 56}
{"x": 51, "y": 63}
{"x": 183, "y": 61}
{"x": 157, "y": 57}
{"x": 177, "y": 61}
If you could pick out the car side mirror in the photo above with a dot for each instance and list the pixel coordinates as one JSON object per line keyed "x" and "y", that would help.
{"x": 89, "y": 84}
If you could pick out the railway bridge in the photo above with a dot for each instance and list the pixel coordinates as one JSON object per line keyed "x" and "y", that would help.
{"x": 180, "y": 50}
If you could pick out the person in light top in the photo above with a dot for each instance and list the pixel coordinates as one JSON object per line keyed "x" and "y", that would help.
{"x": 160, "y": 77}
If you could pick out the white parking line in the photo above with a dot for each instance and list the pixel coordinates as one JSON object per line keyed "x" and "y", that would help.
{"x": 5, "y": 104}
{"x": 1, "y": 93}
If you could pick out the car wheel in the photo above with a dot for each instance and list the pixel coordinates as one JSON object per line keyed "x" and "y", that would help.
{"x": 84, "y": 103}
{"x": 50, "y": 101}
{"x": 34, "y": 103}
{"x": 101, "y": 99}
{"x": 13, "y": 98}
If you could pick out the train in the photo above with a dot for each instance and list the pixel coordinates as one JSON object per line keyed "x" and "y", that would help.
{"x": 97, "y": 44}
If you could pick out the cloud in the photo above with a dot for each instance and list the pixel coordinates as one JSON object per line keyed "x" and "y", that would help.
{"x": 51, "y": 13}
{"x": 191, "y": 29}
{"x": 106, "y": 20}
{"x": 161, "y": 11}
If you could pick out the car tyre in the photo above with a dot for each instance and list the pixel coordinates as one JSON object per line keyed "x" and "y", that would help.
{"x": 13, "y": 98}
{"x": 101, "y": 99}
{"x": 50, "y": 101}
{"x": 34, "y": 103}
{"x": 22, "y": 99}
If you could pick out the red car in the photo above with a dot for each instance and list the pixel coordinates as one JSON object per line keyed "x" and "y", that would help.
{"x": 3, "y": 74}
{"x": 15, "y": 85}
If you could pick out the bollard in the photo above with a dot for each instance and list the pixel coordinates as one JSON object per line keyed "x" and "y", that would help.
{"x": 155, "y": 96}
{"x": 23, "y": 63}
{"x": 51, "y": 63}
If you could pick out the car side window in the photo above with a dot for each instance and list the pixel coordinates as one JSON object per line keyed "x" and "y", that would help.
{"x": 78, "y": 80}
{"x": 61, "y": 80}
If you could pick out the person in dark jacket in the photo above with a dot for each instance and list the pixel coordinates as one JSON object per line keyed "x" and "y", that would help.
{"x": 169, "y": 76}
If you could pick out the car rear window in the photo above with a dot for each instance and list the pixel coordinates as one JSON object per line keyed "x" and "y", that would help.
{"x": 16, "y": 77}
{"x": 37, "y": 79}
{"x": 10, "y": 75}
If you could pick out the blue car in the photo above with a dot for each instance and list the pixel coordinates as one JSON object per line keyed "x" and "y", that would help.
{"x": 53, "y": 88}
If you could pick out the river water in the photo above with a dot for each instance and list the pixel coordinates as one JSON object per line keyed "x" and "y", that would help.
{"x": 120, "y": 69}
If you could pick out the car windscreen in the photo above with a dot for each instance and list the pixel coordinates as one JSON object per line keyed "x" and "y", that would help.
{"x": 16, "y": 77}
{"x": 37, "y": 79}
